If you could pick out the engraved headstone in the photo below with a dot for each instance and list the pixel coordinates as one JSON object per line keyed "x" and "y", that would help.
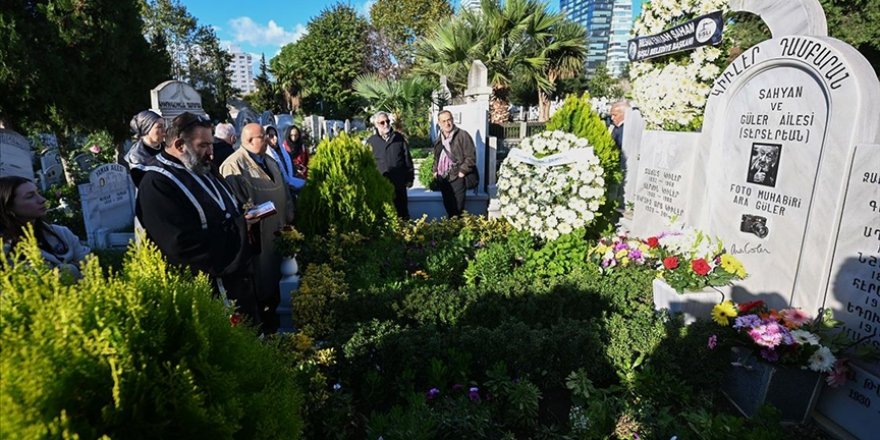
{"x": 662, "y": 192}
{"x": 16, "y": 158}
{"x": 107, "y": 203}
{"x": 53, "y": 175}
{"x": 50, "y": 158}
{"x": 173, "y": 97}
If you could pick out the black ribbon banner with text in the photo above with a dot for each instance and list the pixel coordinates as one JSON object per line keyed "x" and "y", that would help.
{"x": 701, "y": 31}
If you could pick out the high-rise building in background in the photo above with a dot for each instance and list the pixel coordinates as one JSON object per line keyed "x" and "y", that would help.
{"x": 241, "y": 70}
{"x": 470, "y": 4}
{"x": 608, "y": 24}
{"x": 621, "y": 26}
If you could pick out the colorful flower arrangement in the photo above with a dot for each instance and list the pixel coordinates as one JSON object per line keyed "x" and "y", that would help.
{"x": 551, "y": 185}
{"x": 690, "y": 260}
{"x": 784, "y": 337}
{"x": 623, "y": 251}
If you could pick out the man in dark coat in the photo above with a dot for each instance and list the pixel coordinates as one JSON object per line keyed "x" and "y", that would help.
{"x": 618, "y": 112}
{"x": 454, "y": 158}
{"x": 393, "y": 160}
{"x": 224, "y": 138}
{"x": 191, "y": 215}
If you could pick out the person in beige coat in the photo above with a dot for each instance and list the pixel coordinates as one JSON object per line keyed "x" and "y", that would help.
{"x": 255, "y": 178}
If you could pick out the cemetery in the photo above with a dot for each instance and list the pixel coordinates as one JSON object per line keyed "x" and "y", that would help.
{"x": 716, "y": 275}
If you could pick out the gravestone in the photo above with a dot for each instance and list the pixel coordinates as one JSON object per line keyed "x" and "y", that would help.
{"x": 53, "y": 175}
{"x": 16, "y": 158}
{"x": 633, "y": 127}
{"x": 107, "y": 204}
{"x": 50, "y": 158}
{"x": 665, "y": 171}
{"x": 173, "y": 97}
{"x": 786, "y": 174}
{"x": 85, "y": 161}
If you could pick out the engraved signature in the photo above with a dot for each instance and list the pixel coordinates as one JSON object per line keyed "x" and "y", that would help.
{"x": 748, "y": 248}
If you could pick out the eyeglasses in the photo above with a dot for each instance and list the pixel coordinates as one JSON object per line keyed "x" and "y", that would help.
{"x": 385, "y": 122}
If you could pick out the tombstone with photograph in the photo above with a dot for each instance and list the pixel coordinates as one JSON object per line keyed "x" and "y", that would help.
{"x": 108, "y": 206}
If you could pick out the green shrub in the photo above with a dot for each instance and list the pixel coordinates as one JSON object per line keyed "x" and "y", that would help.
{"x": 147, "y": 352}
{"x": 558, "y": 257}
{"x": 576, "y": 116}
{"x": 315, "y": 304}
{"x": 345, "y": 190}
{"x": 497, "y": 260}
{"x": 426, "y": 173}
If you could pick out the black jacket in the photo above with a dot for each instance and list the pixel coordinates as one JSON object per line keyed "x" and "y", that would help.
{"x": 393, "y": 158}
{"x": 464, "y": 154}
{"x": 173, "y": 221}
{"x": 222, "y": 150}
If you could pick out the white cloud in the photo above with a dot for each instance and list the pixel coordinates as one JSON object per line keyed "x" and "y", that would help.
{"x": 246, "y": 30}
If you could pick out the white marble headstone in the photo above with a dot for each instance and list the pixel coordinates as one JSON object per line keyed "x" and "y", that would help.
{"x": 107, "y": 201}
{"x": 663, "y": 183}
{"x": 173, "y": 97}
{"x": 16, "y": 158}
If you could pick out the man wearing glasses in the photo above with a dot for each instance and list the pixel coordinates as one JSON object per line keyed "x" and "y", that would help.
{"x": 393, "y": 160}
{"x": 191, "y": 215}
{"x": 455, "y": 158}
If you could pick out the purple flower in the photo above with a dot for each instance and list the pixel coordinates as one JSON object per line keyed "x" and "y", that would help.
{"x": 620, "y": 246}
{"x": 432, "y": 393}
{"x": 768, "y": 335}
{"x": 769, "y": 355}
{"x": 713, "y": 341}
{"x": 474, "y": 393}
{"x": 635, "y": 254}
{"x": 95, "y": 149}
{"x": 746, "y": 321}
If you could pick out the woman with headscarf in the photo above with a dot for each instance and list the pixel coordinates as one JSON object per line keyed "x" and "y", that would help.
{"x": 21, "y": 205}
{"x": 277, "y": 151}
{"x": 149, "y": 129}
{"x": 293, "y": 143}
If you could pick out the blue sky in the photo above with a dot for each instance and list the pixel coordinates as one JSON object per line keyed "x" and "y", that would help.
{"x": 265, "y": 29}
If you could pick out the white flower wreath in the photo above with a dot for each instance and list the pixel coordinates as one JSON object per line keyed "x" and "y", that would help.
{"x": 551, "y": 184}
{"x": 670, "y": 93}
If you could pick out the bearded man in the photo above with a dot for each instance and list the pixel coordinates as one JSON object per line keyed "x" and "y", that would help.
{"x": 192, "y": 216}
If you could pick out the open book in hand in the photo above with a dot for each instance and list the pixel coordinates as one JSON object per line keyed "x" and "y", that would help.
{"x": 262, "y": 210}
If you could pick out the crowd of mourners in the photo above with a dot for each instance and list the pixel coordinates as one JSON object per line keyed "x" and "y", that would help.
{"x": 212, "y": 198}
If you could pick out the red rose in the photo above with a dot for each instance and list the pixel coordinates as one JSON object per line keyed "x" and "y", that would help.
{"x": 700, "y": 267}
{"x": 670, "y": 263}
{"x": 235, "y": 319}
{"x": 743, "y": 308}
{"x": 652, "y": 242}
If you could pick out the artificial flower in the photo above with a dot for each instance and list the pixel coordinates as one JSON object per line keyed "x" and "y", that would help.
{"x": 822, "y": 360}
{"x": 722, "y": 313}
{"x": 670, "y": 263}
{"x": 700, "y": 267}
{"x": 794, "y": 318}
{"x": 732, "y": 265}
{"x": 803, "y": 337}
{"x": 652, "y": 242}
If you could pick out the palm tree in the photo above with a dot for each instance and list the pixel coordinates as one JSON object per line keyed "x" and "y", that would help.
{"x": 404, "y": 97}
{"x": 565, "y": 49}
{"x": 514, "y": 39}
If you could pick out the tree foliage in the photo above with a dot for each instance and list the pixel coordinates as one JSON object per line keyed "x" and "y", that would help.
{"x": 403, "y": 22}
{"x": 75, "y": 66}
{"x": 407, "y": 98}
{"x": 266, "y": 96}
{"x": 322, "y": 65}
{"x": 514, "y": 39}
{"x": 194, "y": 52}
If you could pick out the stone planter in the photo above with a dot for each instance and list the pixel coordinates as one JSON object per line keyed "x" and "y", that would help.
{"x": 751, "y": 383}
{"x": 287, "y": 286}
{"x": 692, "y": 304}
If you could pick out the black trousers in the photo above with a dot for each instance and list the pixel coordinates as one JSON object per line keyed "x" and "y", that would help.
{"x": 240, "y": 288}
{"x": 453, "y": 195}
{"x": 401, "y": 203}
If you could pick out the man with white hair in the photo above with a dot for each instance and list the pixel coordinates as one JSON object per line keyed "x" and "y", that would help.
{"x": 192, "y": 216}
{"x": 393, "y": 160}
{"x": 224, "y": 139}
{"x": 618, "y": 111}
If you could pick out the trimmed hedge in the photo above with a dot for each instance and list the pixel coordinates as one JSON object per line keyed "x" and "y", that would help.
{"x": 145, "y": 353}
